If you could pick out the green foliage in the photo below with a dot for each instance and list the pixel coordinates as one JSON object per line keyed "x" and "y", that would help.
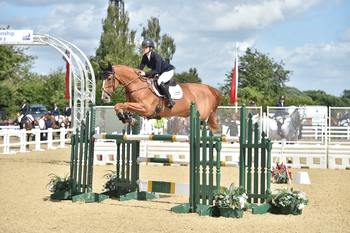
{"x": 260, "y": 78}
{"x": 289, "y": 197}
{"x": 232, "y": 196}
{"x": 117, "y": 42}
{"x": 57, "y": 183}
{"x": 14, "y": 62}
{"x": 112, "y": 179}
{"x": 188, "y": 77}
{"x": 164, "y": 44}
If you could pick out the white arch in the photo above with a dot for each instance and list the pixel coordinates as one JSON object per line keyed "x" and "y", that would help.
{"x": 81, "y": 72}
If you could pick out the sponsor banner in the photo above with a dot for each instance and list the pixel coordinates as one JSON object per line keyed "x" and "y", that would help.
{"x": 17, "y": 36}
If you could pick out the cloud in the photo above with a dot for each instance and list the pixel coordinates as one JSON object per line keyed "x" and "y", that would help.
{"x": 317, "y": 66}
{"x": 345, "y": 37}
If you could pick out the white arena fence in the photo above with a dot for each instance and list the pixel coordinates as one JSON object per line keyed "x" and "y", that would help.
{"x": 312, "y": 156}
{"x": 322, "y": 144}
{"x": 15, "y": 140}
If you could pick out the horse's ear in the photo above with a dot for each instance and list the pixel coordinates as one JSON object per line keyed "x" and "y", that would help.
{"x": 101, "y": 66}
{"x": 109, "y": 66}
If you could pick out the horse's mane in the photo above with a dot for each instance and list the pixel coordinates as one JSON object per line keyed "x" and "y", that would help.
{"x": 124, "y": 67}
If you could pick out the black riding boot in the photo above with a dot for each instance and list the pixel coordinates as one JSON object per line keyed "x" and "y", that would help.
{"x": 165, "y": 91}
{"x": 279, "y": 126}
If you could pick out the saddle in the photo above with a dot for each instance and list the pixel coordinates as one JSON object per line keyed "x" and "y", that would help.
{"x": 171, "y": 82}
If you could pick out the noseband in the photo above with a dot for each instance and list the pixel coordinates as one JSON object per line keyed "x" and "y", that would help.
{"x": 105, "y": 75}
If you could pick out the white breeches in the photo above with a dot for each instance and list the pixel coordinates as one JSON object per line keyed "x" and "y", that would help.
{"x": 165, "y": 77}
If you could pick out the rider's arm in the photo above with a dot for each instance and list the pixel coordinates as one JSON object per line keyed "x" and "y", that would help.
{"x": 156, "y": 63}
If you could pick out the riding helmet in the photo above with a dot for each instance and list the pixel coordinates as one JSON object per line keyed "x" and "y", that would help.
{"x": 252, "y": 102}
{"x": 282, "y": 97}
{"x": 148, "y": 43}
{"x": 24, "y": 101}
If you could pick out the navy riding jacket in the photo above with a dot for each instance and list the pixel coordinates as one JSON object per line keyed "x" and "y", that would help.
{"x": 156, "y": 63}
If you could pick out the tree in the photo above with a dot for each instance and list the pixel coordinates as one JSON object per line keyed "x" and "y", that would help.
{"x": 164, "y": 44}
{"x": 117, "y": 46}
{"x": 322, "y": 98}
{"x": 15, "y": 67}
{"x": 260, "y": 78}
{"x": 188, "y": 77}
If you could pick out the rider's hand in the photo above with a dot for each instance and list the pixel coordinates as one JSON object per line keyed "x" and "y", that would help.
{"x": 142, "y": 73}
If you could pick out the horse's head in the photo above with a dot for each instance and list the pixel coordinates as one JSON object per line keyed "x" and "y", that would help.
{"x": 301, "y": 112}
{"x": 109, "y": 82}
{"x": 339, "y": 115}
{"x": 298, "y": 113}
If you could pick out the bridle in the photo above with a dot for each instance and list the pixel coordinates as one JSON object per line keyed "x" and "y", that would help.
{"x": 107, "y": 73}
{"x": 294, "y": 122}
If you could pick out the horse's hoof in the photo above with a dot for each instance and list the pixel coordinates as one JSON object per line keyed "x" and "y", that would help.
{"x": 121, "y": 117}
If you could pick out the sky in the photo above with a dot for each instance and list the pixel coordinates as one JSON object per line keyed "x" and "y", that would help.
{"x": 312, "y": 37}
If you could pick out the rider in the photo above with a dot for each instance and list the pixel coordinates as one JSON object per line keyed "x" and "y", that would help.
{"x": 158, "y": 66}
{"x": 280, "y": 114}
{"x": 23, "y": 117}
{"x": 56, "y": 112}
{"x": 68, "y": 112}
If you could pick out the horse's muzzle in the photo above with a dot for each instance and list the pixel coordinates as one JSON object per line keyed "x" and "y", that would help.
{"x": 106, "y": 99}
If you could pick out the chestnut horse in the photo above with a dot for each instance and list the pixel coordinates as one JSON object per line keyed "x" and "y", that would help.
{"x": 143, "y": 98}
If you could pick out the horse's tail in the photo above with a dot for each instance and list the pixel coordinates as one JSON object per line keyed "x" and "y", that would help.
{"x": 217, "y": 101}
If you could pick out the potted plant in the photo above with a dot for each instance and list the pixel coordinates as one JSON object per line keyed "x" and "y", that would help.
{"x": 59, "y": 186}
{"x": 57, "y": 183}
{"x": 111, "y": 177}
{"x": 231, "y": 201}
{"x": 289, "y": 201}
{"x": 281, "y": 174}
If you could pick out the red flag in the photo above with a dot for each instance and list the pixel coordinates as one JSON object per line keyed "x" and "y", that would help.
{"x": 67, "y": 97}
{"x": 234, "y": 83}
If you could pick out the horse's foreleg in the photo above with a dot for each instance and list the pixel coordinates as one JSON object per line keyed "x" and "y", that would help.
{"x": 138, "y": 108}
{"x": 121, "y": 117}
{"x": 129, "y": 118}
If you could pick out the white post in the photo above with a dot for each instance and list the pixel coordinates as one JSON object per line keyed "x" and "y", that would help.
{"x": 6, "y": 143}
{"x": 63, "y": 132}
{"x": 49, "y": 139}
{"x": 23, "y": 140}
{"x": 37, "y": 140}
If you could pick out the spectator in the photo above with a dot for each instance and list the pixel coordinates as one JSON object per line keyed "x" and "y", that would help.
{"x": 56, "y": 112}
{"x": 232, "y": 129}
{"x": 68, "y": 113}
{"x": 16, "y": 121}
{"x": 23, "y": 118}
{"x": 42, "y": 126}
{"x": 48, "y": 125}
{"x": 254, "y": 111}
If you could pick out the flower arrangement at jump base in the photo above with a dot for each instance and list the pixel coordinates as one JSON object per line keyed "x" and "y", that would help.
{"x": 289, "y": 201}
{"x": 57, "y": 183}
{"x": 281, "y": 174}
{"x": 231, "y": 201}
{"x": 111, "y": 177}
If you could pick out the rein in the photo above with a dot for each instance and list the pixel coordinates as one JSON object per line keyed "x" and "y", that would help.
{"x": 143, "y": 79}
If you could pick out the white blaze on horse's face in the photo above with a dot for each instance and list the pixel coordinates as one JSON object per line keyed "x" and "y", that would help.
{"x": 105, "y": 97}
{"x": 108, "y": 88}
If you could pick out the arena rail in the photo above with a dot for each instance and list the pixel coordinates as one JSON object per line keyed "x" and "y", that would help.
{"x": 15, "y": 140}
